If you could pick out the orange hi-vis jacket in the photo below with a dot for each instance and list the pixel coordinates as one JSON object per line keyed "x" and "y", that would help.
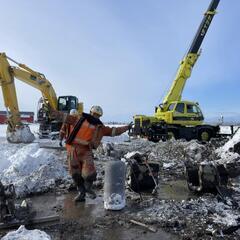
{"x": 90, "y": 134}
{"x": 86, "y": 134}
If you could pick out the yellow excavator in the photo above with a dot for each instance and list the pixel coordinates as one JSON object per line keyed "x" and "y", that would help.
{"x": 175, "y": 117}
{"x": 18, "y": 132}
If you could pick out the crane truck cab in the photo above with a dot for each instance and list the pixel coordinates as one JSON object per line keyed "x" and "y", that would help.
{"x": 183, "y": 113}
{"x": 175, "y": 117}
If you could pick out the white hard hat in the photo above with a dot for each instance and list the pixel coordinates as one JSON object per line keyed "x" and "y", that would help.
{"x": 73, "y": 111}
{"x": 96, "y": 109}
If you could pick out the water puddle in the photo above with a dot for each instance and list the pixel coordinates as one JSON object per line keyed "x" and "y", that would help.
{"x": 103, "y": 223}
{"x": 88, "y": 211}
{"x": 176, "y": 190}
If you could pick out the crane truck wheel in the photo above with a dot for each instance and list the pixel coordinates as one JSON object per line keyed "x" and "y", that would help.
{"x": 151, "y": 135}
{"x": 171, "y": 135}
{"x": 152, "y": 139}
{"x": 204, "y": 135}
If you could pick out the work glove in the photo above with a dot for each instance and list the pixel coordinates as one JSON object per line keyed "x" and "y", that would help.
{"x": 130, "y": 126}
{"x": 60, "y": 143}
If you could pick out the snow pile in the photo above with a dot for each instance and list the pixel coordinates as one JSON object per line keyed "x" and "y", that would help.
{"x": 117, "y": 139}
{"x": 201, "y": 213}
{"x": 170, "y": 155}
{"x": 32, "y": 169}
{"x": 23, "y": 234}
{"x": 193, "y": 218}
{"x": 195, "y": 151}
{"x": 6, "y": 151}
{"x": 226, "y": 154}
{"x": 227, "y": 218}
{"x": 224, "y": 151}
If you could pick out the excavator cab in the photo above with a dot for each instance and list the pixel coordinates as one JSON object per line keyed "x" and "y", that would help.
{"x": 66, "y": 103}
{"x": 50, "y": 126}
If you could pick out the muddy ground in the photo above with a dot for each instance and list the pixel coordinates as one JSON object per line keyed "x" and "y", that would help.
{"x": 174, "y": 213}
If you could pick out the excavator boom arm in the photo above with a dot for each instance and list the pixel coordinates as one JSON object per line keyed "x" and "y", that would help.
{"x": 9, "y": 92}
{"x": 39, "y": 82}
{"x": 30, "y": 77}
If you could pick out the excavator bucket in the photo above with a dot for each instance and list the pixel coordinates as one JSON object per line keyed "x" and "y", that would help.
{"x": 21, "y": 134}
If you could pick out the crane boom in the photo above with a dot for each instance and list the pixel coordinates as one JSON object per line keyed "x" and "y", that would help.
{"x": 202, "y": 30}
{"x": 186, "y": 65}
{"x": 175, "y": 117}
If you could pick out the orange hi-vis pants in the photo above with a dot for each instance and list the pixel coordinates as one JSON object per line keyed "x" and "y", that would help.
{"x": 80, "y": 160}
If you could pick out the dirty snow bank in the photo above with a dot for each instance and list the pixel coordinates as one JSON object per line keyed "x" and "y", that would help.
{"x": 23, "y": 234}
{"x": 201, "y": 214}
{"x": 224, "y": 151}
{"x": 192, "y": 218}
{"x": 117, "y": 139}
{"x": 33, "y": 169}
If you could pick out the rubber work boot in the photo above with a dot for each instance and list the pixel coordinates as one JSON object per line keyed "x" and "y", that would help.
{"x": 79, "y": 181}
{"x": 88, "y": 186}
{"x": 80, "y": 197}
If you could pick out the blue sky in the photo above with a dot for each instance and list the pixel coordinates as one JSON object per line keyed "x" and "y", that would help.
{"x": 123, "y": 55}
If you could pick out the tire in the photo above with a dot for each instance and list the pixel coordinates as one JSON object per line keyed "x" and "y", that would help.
{"x": 171, "y": 135}
{"x": 152, "y": 139}
{"x": 151, "y": 135}
{"x": 205, "y": 135}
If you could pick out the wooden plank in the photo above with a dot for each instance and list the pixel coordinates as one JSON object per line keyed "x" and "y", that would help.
{"x": 152, "y": 229}
{"x": 51, "y": 218}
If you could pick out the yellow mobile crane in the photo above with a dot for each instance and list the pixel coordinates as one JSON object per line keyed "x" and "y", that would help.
{"x": 175, "y": 117}
{"x": 17, "y": 131}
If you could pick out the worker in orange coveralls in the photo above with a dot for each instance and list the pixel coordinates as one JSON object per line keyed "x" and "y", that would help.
{"x": 66, "y": 128}
{"x": 85, "y": 135}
